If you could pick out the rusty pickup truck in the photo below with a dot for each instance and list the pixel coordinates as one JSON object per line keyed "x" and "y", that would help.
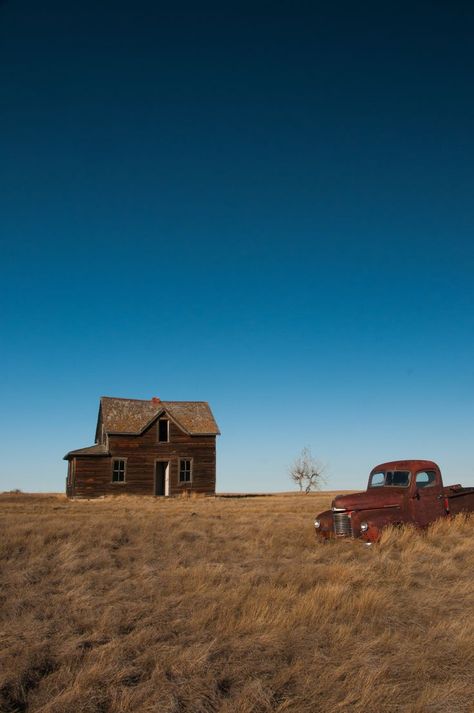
{"x": 408, "y": 491}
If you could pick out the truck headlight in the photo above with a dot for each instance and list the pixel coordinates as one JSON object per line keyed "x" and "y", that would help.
{"x": 364, "y": 526}
{"x": 317, "y": 524}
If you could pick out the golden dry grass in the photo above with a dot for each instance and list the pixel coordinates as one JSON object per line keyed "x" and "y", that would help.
{"x": 205, "y": 605}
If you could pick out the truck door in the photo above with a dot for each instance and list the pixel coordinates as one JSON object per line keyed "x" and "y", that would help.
{"x": 427, "y": 498}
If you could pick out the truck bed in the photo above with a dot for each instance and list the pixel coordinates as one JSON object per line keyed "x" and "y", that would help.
{"x": 459, "y": 499}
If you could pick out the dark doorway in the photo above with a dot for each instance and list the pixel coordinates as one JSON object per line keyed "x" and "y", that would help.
{"x": 161, "y": 477}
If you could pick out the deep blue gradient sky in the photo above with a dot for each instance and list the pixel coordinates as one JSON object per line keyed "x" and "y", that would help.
{"x": 268, "y": 206}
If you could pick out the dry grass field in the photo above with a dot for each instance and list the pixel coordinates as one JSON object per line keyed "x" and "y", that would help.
{"x": 205, "y": 605}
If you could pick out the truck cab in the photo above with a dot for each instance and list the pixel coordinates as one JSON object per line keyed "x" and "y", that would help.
{"x": 398, "y": 492}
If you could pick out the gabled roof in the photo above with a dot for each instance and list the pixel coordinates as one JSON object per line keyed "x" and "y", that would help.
{"x": 132, "y": 416}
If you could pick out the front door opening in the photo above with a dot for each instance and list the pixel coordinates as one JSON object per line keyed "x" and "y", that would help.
{"x": 162, "y": 483}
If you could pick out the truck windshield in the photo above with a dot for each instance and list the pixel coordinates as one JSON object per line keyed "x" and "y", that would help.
{"x": 394, "y": 478}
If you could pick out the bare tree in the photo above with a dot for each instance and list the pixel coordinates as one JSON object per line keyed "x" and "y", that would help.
{"x": 307, "y": 472}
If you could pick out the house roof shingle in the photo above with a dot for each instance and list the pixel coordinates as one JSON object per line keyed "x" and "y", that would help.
{"x": 96, "y": 450}
{"x": 133, "y": 415}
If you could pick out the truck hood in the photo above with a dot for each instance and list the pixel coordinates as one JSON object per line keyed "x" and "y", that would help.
{"x": 370, "y": 500}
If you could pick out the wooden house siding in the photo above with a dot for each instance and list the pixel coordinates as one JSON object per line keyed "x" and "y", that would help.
{"x": 142, "y": 452}
{"x": 91, "y": 476}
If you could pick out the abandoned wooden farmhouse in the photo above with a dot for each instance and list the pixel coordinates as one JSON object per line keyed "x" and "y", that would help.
{"x": 146, "y": 448}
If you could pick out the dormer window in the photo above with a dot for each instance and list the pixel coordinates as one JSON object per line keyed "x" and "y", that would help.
{"x": 163, "y": 430}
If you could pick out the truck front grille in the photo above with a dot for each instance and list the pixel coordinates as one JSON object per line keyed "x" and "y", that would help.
{"x": 342, "y": 524}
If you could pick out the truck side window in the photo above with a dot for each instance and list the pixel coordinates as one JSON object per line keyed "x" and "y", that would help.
{"x": 425, "y": 478}
{"x": 377, "y": 480}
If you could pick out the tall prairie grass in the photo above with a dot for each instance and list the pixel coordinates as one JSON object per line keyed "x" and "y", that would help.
{"x": 203, "y": 605}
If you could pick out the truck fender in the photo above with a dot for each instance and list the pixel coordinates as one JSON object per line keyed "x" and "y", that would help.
{"x": 377, "y": 520}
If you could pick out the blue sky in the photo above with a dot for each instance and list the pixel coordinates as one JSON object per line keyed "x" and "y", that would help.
{"x": 265, "y": 206}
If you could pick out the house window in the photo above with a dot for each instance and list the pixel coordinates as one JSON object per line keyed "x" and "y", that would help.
{"x": 185, "y": 470}
{"x": 163, "y": 430}
{"x": 118, "y": 472}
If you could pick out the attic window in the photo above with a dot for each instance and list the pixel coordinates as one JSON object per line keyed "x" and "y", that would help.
{"x": 118, "y": 472}
{"x": 163, "y": 430}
